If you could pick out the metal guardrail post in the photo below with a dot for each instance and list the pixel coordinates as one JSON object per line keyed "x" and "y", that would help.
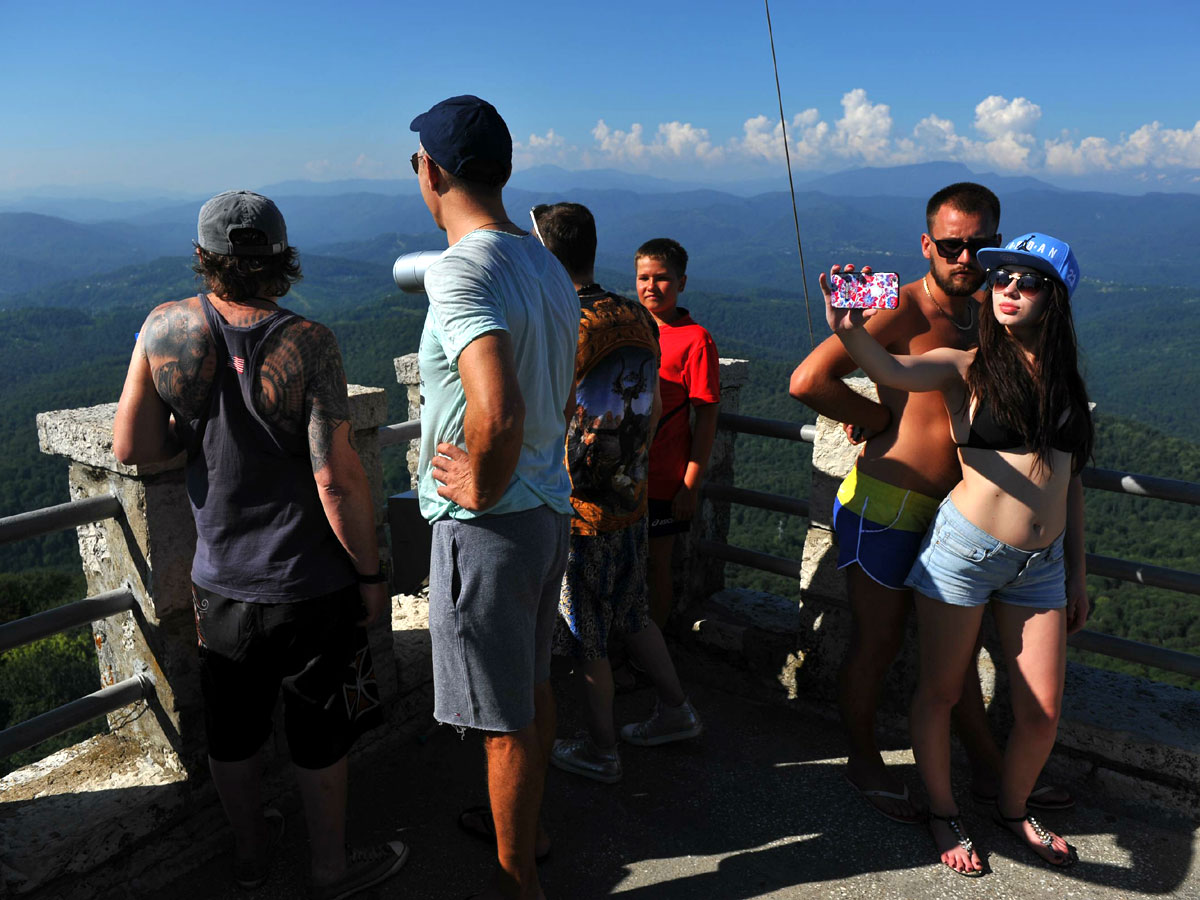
{"x": 56, "y": 518}
{"x": 62, "y": 618}
{"x": 1142, "y": 485}
{"x": 64, "y": 718}
{"x": 776, "y": 428}
{"x": 1137, "y": 652}
{"x": 1142, "y": 573}
{"x": 757, "y": 499}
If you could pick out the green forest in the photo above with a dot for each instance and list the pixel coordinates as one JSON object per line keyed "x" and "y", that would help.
{"x": 69, "y": 346}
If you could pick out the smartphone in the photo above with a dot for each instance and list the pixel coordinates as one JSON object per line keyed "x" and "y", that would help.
{"x": 853, "y": 290}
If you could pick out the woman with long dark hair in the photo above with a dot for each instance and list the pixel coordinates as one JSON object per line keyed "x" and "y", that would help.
{"x": 1011, "y": 531}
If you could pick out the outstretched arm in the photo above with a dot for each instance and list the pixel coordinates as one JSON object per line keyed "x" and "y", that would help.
{"x": 935, "y": 370}
{"x": 341, "y": 482}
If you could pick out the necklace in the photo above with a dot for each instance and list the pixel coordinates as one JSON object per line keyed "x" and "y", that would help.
{"x": 953, "y": 321}
{"x": 486, "y": 224}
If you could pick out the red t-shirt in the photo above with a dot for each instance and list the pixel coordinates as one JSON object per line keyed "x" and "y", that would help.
{"x": 688, "y": 375}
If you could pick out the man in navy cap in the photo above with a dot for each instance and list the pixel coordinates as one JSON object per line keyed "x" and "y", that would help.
{"x": 497, "y": 361}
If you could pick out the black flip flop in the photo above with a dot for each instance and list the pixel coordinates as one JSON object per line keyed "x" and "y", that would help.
{"x": 477, "y": 822}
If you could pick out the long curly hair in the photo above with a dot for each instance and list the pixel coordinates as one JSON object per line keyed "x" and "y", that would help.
{"x": 246, "y": 277}
{"x": 1031, "y": 398}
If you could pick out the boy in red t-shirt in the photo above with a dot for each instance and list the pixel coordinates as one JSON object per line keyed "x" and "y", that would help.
{"x": 688, "y": 377}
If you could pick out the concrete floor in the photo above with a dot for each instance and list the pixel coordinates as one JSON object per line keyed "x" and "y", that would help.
{"x": 755, "y": 808}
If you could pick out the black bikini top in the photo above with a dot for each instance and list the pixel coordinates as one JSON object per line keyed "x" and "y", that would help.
{"x": 988, "y": 434}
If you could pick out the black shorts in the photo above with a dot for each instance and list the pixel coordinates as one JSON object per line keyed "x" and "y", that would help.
{"x": 311, "y": 648}
{"x": 662, "y": 523}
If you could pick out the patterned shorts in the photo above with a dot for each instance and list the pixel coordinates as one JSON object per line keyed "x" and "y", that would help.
{"x": 310, "y": 650}
{"x": 604, "y": 591}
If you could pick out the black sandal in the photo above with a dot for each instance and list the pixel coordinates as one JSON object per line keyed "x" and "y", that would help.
{"x": 1044, "y": 836}
{"x": 477, "y": 821}
{"x": 963, "y": 841}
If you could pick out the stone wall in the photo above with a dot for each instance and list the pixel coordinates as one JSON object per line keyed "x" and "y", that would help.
{"x": 76, "y": 809}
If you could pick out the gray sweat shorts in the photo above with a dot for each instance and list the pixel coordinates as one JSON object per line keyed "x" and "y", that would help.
{"x": 493, "y": 601}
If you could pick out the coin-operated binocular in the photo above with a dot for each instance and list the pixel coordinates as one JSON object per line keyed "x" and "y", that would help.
{"x": 408, "y": 271}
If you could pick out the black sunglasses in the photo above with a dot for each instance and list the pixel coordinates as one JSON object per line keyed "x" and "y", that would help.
{"x": 415, "y": 159}
{"x": 952, "y": 248}
{"x": 1027, "y": 282}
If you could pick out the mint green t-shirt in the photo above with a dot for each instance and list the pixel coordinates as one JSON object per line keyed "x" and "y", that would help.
{"x": 494, "y": 281}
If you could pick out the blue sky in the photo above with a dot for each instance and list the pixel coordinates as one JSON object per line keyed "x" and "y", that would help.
{"x": 195, "y": 97}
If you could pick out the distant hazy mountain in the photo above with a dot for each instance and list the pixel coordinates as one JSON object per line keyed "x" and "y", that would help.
{"x": 37, "y": 250}
{"x": 918, "y": 180}
{"x": 301, "y": 188}
{"x": 738, "y": 244}
{"x": 555, "y": 178}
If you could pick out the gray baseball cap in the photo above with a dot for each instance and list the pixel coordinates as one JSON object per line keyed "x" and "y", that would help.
{"x": 240, "y": 211}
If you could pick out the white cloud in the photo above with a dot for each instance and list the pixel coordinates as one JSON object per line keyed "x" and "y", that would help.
{"x": 1004, "y": 138}
{"x": 1008, "y": 126}
{"x": 864, "y": 131}
{"x": 763, "y": 138}
{"x": 672, "y": 141}
{"x": 548, "y": 148}
{"x": 999, "y": 118}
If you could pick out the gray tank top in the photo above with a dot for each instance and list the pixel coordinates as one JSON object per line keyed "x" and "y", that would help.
{"x": 261, "y": 532}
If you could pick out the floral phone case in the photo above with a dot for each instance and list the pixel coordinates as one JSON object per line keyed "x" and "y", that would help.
{"x": 879, "y": 290}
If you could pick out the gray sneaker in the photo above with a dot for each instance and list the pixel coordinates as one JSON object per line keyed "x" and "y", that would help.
{"x": 365, "y": 866}
{"x": 666, "y": 724}
{"x": 581, "y": 756}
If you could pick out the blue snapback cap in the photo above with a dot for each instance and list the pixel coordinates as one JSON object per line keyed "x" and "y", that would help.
{"x": 1046, "y": 254}
{"x": 466, "y": 136}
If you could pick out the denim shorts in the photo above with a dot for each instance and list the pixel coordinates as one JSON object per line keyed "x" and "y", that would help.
{"x": 961, "y": 564}
{"x": 494, "y": 583}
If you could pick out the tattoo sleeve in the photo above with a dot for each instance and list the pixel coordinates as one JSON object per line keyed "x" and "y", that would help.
{"x": 179, "y": 352}
{"x": 325, "y": 392}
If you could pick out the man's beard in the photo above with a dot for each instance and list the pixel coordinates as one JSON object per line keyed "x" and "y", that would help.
{"x": 957, "y": 288}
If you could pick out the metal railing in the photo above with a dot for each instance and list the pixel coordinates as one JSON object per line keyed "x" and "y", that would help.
{"x": 32, "y": 732}
{"x": 56, "y": 518}
{"x": 49, "y": 622}
{"x": 1101, "y": 566}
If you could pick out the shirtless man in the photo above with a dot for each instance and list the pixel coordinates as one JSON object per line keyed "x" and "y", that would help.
{"x": 907, "y": 465}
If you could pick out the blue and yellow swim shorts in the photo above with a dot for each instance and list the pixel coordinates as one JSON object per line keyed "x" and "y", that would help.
{"x": 880, "y": 527}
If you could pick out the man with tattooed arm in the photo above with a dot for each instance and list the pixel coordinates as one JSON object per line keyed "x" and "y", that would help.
{"x": 286, "y": 572}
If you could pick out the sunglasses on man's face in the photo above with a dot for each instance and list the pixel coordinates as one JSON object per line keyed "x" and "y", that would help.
{"x": 952, "y": 248}
{"x": 1027, "y": 283}
{"x": 416, "y": 162}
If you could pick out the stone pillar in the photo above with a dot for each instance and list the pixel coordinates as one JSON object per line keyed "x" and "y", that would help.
{"x": 409, "y": 375}
{"x": 698, "y": 576}
{"x": 149, "y": 549}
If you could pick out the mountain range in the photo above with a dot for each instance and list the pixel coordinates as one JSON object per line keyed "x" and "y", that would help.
{"x": 737, "y": 243}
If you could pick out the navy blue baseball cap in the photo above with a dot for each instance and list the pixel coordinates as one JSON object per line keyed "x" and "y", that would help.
{"x": 468, "y": 138}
